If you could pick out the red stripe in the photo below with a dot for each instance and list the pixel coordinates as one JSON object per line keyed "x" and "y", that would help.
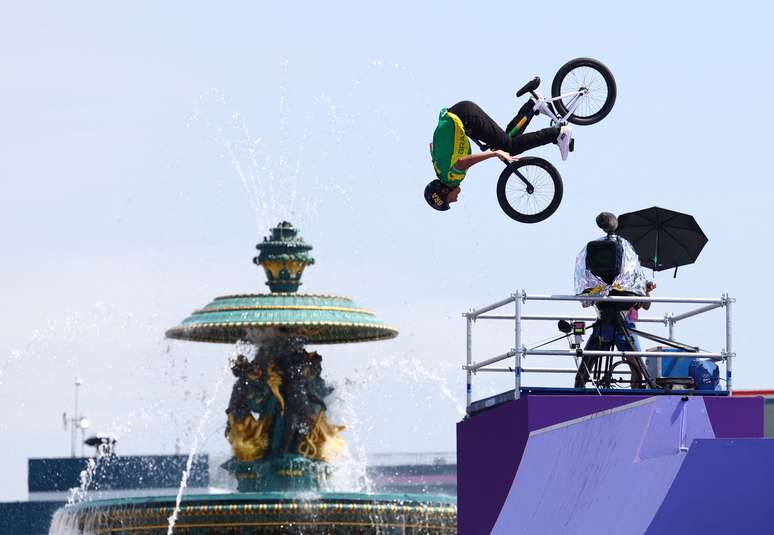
{"x": 753, "y": 393}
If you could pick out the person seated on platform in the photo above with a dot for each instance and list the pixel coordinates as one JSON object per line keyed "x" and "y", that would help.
{"x": 450, "y": 149}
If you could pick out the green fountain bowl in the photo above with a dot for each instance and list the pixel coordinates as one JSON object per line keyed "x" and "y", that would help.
{"x": 315, "y": 319}
{"x": 265, "y": 513}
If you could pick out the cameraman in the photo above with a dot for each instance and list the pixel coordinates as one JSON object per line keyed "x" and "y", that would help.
{"x": 610, "y": 266}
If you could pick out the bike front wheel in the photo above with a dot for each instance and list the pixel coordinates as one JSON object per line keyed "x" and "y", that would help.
{"x": 591, "y": 77}
{"x": 529, "y": 190}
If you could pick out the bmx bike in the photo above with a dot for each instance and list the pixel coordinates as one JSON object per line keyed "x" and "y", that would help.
{"x": 582, "y": 93}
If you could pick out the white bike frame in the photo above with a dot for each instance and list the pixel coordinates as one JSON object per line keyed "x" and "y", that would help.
{"x": 542, "y": 105}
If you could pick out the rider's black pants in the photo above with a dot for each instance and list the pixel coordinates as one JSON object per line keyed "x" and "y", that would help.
{"x": 478, "y": 125}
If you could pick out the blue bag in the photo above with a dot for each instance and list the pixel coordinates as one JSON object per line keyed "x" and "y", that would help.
{"x": 705, "y": 373}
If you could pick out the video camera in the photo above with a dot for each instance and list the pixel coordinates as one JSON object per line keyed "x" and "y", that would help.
{"x": 605, "y": 259}
{"x": 608, "y": 265}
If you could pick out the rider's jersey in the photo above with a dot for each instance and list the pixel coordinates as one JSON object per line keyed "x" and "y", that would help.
{"x": 449, "y": 144}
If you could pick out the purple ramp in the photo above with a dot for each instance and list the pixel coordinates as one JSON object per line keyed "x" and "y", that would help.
{"x": 490, "y": 445}
{"x": 736, "y": 417}
{"x": 550, "y": 410}
{"x": 724, "y": 486}
{"x": 610, "y": 469}
{"x": 489, "y": 448}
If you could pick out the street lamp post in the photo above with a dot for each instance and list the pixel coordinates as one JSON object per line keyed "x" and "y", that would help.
{"x": 78, "y": 384}
{"x": 76, "y": 421}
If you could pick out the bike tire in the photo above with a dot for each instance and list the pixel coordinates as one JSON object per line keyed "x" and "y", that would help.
{"x": 610, "y": 90}
{"x": 540, "y": 171}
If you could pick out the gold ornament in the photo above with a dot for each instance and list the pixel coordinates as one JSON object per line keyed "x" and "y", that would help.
{"x": 249, "y": 438}
{"x": 323, "y": 443}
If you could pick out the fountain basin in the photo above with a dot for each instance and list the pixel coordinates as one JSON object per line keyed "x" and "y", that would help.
{"x": 315, "y": 319}
{"x": 263, "y": 512}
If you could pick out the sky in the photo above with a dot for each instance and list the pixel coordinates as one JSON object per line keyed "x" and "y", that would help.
{"x": 146, "y": 148}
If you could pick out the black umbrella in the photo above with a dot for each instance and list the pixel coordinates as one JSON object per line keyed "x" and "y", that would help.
{"x": 662, "y": 238}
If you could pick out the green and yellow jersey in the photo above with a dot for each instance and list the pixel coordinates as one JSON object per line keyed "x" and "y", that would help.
{"x": 449, "y": 144}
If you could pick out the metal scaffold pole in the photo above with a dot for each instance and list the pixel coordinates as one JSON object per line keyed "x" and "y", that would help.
{"x": 469, "y": 387}
{"x": 729, "y": 343}
{"x": 517, "y": 298}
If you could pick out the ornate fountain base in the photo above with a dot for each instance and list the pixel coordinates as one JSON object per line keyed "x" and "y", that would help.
{"x": 289, "y": 473}
{"x": 271, "y": 513}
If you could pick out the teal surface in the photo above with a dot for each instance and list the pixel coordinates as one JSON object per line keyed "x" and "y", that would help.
{"x": 316, "y": 319}
{"x": 284, "y": 513}
{"x": 253, "y": 497}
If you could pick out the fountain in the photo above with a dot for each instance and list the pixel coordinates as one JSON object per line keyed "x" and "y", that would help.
{"x": 282, "y": 440}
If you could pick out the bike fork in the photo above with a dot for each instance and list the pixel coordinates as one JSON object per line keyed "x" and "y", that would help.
{"x": 530, "y": 187}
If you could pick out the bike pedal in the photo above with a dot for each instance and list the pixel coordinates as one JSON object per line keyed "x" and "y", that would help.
{"x": 572, "y": 145}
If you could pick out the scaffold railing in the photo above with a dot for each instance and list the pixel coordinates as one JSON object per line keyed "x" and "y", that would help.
{"x": 520, "y": 298}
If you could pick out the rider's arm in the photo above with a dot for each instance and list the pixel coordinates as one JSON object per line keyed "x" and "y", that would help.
{"x": 465, "y": 162}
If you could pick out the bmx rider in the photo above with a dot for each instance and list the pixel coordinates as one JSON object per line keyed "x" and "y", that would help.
{"x": 450, "y": 149}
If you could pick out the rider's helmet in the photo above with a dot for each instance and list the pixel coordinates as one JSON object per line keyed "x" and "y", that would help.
{"x": 435, "y": 195}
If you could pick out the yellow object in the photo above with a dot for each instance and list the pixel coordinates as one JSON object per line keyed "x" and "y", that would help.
{"x": 461, "y": 148}
{"x": 323, "y": 443}
{"x": 275, "y": 381}
{"x": 249, "y": 438}
{"x": 274, "y": 268}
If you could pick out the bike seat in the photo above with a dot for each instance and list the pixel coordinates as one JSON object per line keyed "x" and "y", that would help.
{"x": 529, "y": 86}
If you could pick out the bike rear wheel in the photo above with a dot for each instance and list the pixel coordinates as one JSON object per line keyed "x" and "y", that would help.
{"x": 590, "y": 75}
{"x": 529, "y": 190}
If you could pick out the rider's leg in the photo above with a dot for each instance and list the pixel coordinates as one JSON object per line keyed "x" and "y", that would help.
{"x": 479, "y": 125}
{"x": 523, "y": 142}
{"x": 519, "y": 123}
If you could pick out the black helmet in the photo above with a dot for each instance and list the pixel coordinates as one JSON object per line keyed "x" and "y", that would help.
{"x": 435, "y": 195}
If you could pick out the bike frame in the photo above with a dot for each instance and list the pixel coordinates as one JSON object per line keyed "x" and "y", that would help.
{"x": 543, "y": 105}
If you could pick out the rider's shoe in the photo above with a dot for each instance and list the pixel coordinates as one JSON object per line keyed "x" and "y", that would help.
{"x": 564, "y": 139}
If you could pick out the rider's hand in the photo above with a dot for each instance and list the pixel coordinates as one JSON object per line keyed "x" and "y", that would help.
{"x": 504, "y": 156}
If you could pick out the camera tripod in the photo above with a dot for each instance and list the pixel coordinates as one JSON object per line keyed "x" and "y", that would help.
{"x": 612, "y": 332}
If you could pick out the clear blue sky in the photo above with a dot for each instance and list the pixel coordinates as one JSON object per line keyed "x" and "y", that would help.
{"x": 133, "y": 139}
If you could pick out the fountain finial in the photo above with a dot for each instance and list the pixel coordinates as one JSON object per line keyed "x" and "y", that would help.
{"x": 283, "y": 256}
